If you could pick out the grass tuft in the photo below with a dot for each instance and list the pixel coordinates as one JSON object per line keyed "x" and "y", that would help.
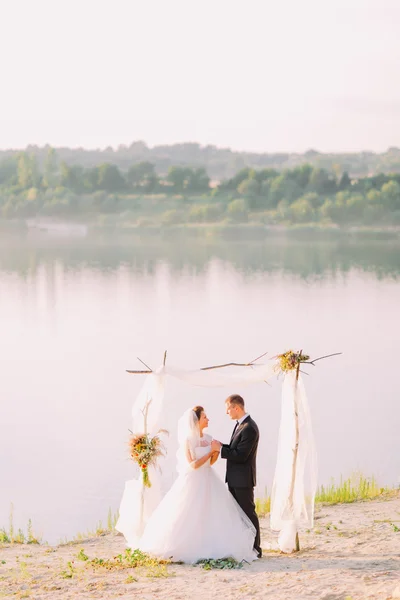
{"x": 99, "y": 531}
{"x": 353, "y": 489}
{"x": 130, "y": 559}
{"x": 11, "y": 536}
{"x": 263, "y": 505}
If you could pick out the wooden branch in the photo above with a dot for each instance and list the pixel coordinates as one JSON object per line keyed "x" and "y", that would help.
{"x": 143, "y": 363}
{"x": 233, "y": 364}
{"x": 295, "y": 452}
{"x": 227, "y": 365}
{"x": 311, "y": 362}
{"x": 145, "y": 413}
{"x": 258, "y": 357}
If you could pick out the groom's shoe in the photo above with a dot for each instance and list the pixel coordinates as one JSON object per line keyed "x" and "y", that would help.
{"x": 259, "y": 552}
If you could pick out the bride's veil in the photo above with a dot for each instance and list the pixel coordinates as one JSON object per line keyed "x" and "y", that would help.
{"x": 188, "y": 439}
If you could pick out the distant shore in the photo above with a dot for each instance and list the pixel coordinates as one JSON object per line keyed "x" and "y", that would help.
{"x": 223, "y": 231}
{"x": 352, "y": 552}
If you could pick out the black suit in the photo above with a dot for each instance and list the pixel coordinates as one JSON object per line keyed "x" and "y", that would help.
{"x": 240, "y": 456}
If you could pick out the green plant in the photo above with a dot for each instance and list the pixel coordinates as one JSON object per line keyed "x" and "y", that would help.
{"x": 357, "y": 487}
{"x": 221, "y": 563}
{"x": 4, "y": 538}
{"x": 130, "y": 559}
{"x": 82, "y": 556}
{"x": 19, "y": 537}
{"x": 69, "y": 571}
{"x": 111, "y": 519}
{"x": 100, "y": 530}
{"x": 263, "y": 505}
{"x": 31, "y": 538}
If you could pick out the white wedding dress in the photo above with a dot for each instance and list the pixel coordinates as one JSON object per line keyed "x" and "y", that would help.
{"x": 198, "y": 518}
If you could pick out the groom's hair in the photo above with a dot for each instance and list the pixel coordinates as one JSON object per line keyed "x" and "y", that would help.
{"x": 235, "y": 399}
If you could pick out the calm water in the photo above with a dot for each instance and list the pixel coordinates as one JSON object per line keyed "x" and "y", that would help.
{"x": 77, "y": 312}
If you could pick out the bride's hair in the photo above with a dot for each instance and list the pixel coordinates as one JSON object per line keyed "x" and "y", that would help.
{"x": 197, "y": 411}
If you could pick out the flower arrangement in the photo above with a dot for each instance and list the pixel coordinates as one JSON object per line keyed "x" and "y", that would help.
{"x": 145, "y": 450}
{"x": 288, "y": 361}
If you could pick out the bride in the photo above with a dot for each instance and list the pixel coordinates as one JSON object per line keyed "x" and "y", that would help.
{"x": 198, "y": 518}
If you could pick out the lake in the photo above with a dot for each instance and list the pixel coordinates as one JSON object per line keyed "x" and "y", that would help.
{"x": 77, "y": 311}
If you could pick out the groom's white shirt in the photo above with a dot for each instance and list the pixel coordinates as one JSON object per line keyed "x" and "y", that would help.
{"x": 240, "y": 421}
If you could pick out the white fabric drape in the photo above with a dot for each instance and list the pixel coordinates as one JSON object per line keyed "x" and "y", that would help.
{"x": 151, "y": 394}
{"x": 138, "y": 501}
{"x": 288, "y": 510}
{"x": 295, "y": 480}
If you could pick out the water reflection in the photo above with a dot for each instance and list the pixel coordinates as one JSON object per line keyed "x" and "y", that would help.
{"x": 305, "y": 259}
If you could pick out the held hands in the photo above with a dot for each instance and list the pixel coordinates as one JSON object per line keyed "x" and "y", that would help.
{"x": 215, "y": 446}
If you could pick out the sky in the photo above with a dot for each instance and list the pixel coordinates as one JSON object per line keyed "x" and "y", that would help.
{"x": 254, "y": 75}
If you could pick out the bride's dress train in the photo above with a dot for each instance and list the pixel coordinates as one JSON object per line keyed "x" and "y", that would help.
{"x": 198, "y": 518}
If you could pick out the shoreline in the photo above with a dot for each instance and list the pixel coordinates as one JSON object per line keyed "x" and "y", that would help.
{"x": 86, "y": 227}
{"x": 352, "y": 552}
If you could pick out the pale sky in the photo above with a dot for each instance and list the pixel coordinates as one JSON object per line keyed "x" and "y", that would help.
{"x": 257, "y": 75}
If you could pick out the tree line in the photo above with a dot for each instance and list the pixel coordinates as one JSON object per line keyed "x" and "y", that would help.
{"x": 220, "y": 163}
{"x": 303, "y": 194}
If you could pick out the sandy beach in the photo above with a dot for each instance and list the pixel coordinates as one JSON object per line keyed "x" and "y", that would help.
{"x": 352, "y": 553}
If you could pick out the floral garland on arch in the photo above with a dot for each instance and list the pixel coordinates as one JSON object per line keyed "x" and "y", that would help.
{"x": 290, "y": 360}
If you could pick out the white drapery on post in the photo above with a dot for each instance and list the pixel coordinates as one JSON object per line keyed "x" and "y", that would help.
{"x": 295, "y": 480}
{"x": 138, "y": 501}
{"x": 291, "y": 505}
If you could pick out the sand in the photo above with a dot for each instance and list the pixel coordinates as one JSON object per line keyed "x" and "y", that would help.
{"x": 353, "y": 552}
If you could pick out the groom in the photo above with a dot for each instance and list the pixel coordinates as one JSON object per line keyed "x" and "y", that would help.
{"x": 240, "y": 456}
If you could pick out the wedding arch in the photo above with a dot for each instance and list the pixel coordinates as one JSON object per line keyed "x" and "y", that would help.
{"x": 295, "y": 479}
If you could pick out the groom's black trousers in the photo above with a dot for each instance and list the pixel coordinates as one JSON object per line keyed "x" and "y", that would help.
{"x": 245, "y": 498}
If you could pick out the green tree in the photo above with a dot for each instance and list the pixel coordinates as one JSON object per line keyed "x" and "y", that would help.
{"x": 198, "y": 181}
{"x": 50, "y": 169}
{"x": 345, "y": 181}
{"x": 356, "y": 204}
{"x": 90, "y": 179}
{"x": 27, "y": 170}
{"x": 72, "y": 177}
{"x": 301, "y": 175}
{"x": 328, "y": 210}
{"x": 249, "y": 188}
{"x": 263, "y": 175}
{"x": 374, "y": 197}
{"x": 301, "y": 211}
{"x": 231, "y": 185}
{"x": 284, "y": 187}
{"x": 237, "y": 210}
{"x": 110, "y": 178}
{"x": 177, "y": 177}
{"x": 313, "y": 199}
{"x": 321, "y": 182}
{"x": 390, "y": 196}
{"x": 142, "y": 177}
{"x": 8, "y": 171}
